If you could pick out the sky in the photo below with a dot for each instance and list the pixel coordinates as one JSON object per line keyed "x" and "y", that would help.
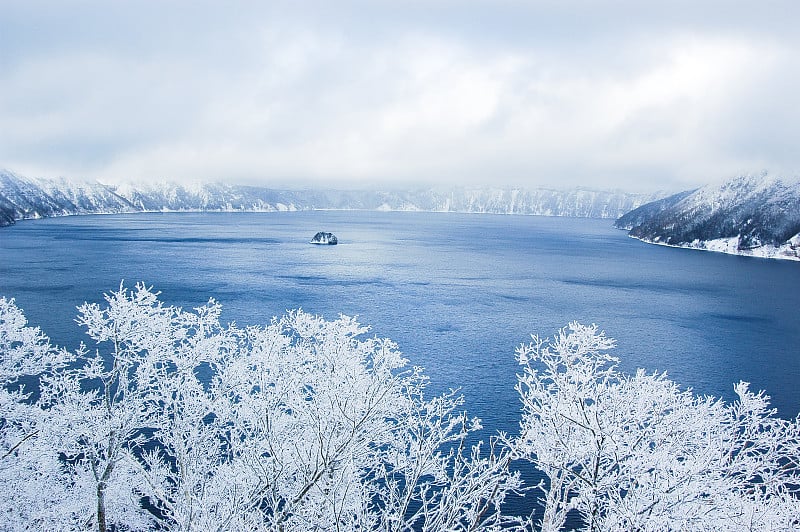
{"x": 630, "y": 95}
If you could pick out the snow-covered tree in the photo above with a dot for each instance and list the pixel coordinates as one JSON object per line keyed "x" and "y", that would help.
{"x": 36, "y": 488}
{"x": 176, "y": 422}
{"x": 637, "y": 453}
{"x": 111, "y": 401}
{"x": 306, "y": 426}
{"x": 171, "y": 421}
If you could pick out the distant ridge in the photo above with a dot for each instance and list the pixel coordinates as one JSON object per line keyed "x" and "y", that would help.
{"x": 747, "y": 215}
{"x": 23, "y": 198}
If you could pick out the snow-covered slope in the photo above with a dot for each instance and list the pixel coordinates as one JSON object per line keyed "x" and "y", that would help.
{"x": 23, "y": 198}
{"x": 576, "y": 202}
{"x": 747, "y": 215}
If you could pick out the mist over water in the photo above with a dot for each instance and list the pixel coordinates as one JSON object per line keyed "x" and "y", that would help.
{"x": 458, "y": 293}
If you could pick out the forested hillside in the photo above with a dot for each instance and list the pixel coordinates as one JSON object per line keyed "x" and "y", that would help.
{"x": 748, "y": 215}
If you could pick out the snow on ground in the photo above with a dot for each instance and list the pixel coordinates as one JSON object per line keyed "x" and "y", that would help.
{"x": 788, "y": 251}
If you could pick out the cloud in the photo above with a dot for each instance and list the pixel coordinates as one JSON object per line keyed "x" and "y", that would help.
{"x": 604, "y": 94}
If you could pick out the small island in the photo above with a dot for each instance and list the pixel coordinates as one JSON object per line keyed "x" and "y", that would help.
{"x": 325, "y": 238}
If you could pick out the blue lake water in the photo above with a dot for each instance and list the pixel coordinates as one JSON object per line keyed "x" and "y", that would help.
{"x": 458, "y": 293}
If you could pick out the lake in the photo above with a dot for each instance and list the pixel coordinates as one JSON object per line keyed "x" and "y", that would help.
{"x": 458, "y": 293}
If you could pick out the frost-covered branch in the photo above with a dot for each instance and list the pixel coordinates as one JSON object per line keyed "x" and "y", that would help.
{"x": 638, "y": 453}
{"x": 173, "y": 421}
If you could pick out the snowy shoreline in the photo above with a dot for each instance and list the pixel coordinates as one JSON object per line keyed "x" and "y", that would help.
{"x": 789, "y": 251}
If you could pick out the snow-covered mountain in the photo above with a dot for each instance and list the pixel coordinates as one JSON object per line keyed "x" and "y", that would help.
{"x": 24, "y": 198}
{"x": 747, "y": 215}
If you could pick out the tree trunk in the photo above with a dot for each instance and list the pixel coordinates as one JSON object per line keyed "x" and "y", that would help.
{"x": 101, "y": 506}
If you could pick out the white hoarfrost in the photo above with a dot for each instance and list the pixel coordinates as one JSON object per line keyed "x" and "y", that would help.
{"x": 303, "y": 424}
{"x": 172, "y": 421}
{"x": 637, "y": 453}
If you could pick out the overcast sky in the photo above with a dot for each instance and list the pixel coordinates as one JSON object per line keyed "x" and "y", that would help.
{"x": 625, "y": 94}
